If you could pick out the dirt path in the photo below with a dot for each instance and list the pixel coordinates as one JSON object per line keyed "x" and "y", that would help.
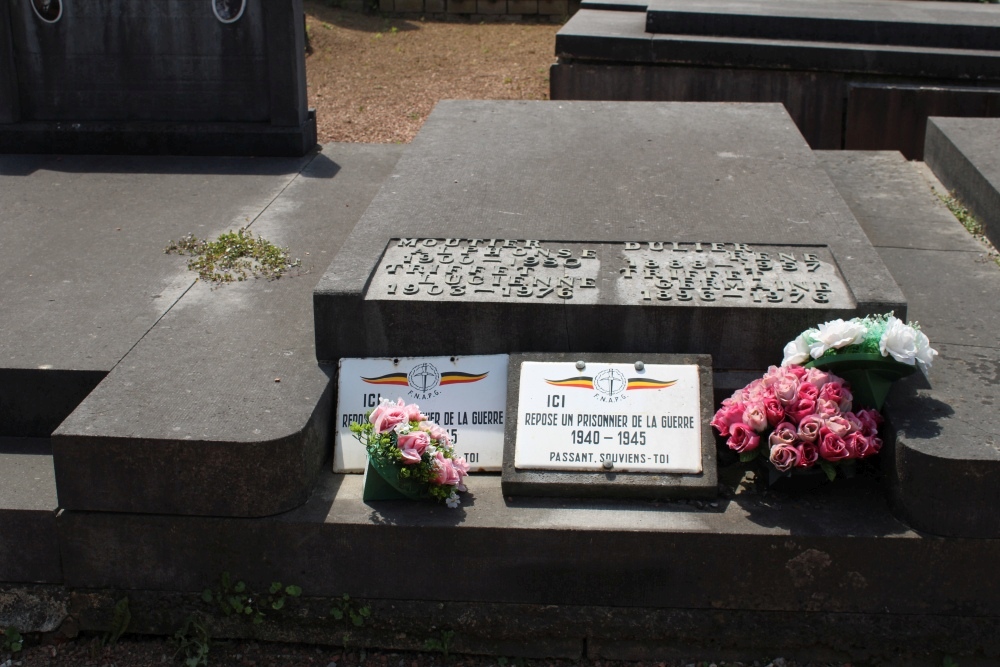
{"x": 374, "y": 79}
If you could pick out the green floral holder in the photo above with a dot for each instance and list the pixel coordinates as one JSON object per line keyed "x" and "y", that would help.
{"x": 870, "y": 375}
{"x": 383, "y": 482}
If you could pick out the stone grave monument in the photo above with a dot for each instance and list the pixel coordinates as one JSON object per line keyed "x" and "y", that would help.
{"x": 600, "y": 227}
{"x": 597, "y": 229}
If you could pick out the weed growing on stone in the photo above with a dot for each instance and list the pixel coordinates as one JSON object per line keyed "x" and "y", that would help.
{"x": 234, "y": 256}
{"x": 120, "y": 618}
{"x": 969, "y": 221}
{"x": 236, "y": 598}
{"x": 346, "y": 608}
{"x": 193, "y": 643}
{"x": 442, "y": 643}
{"x": 12, "y": 641}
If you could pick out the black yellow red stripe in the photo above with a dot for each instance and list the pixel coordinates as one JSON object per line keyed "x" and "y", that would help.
{"x": 454, "y": 377}
{"x": 391, "y": 378}
{"x": 580, "y": 382}
{"x": 649, "y": 383}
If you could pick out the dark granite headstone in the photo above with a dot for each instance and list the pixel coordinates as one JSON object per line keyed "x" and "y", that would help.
{"x": 200, "y": 77}
{"x": 680, "y": 228}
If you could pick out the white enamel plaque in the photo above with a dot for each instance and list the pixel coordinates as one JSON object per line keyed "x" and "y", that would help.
{"x": 467, "y": 396}
{"x": 609, "y": 417}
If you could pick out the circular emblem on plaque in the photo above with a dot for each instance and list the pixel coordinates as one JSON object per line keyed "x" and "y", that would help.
{"x": 610, "y": 382}
{"x": 423, "y": 377}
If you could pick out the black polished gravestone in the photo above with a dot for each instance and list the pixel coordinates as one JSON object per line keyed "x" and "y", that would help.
{"x": 600, "y": 226}
{"x": 177, "y": 77}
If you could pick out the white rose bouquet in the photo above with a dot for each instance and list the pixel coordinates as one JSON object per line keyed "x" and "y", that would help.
{"x": 876, "y": 334}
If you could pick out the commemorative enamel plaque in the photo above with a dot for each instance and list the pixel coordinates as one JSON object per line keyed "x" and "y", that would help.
{"x": 627, "y": 417}
{"x": 464, "y": 395}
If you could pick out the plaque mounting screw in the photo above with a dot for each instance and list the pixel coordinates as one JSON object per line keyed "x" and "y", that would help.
{"x": 608, "y": 465}
{"x": 580, "y": 365}
{"x": 639, "y": 366}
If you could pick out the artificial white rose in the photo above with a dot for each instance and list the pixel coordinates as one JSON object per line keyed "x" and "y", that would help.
{"x": 836, "y": 334}
{"x": 900, "y": 341}
{"x": 925, "y": 353}
{"x": 797, "y": 352}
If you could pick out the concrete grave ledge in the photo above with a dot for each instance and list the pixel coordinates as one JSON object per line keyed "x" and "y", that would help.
{"x": 886, "y": 64}
{"x": 667, "y": 172}
{"x": 578, "y": 569}
{"x": 82, "y": 269}
{"x": 900, "y": 22}
{"x": 221, "y": 408}
{"x": 29, "y": 545}
{"x": 615, "y": 37}
{"x": 944, "y": 473}
{"x": 963, "y": 154}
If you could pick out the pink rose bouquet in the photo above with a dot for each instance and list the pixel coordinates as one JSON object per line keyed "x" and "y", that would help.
{"x": 798, "y": 418}
{"x": 399, "y": 435}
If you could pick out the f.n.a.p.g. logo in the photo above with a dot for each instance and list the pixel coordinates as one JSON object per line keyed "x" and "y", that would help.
{"x": 425, "y": 380}
{"x": 611, "y": 385}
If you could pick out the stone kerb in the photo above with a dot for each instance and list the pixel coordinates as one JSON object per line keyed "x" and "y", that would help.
{"x": 599, "y": 227}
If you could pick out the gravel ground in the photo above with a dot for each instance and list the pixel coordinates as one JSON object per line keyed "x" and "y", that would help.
{"x": 145, "y": 652}
{"x": 374, "y": 79}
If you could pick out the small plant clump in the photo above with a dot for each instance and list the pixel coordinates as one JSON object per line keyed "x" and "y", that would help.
{"x": 236, "y": 598}
{"x": 234, "y": 257}
{"x": 969, "y": 221}
{"x": 11, "y": 640}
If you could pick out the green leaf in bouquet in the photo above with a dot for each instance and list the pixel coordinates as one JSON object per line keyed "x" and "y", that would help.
{"x": 747, "y": 457}
{"x": 829, "y": 469}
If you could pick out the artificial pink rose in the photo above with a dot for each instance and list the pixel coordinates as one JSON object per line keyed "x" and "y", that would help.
{"x": 413, "y": 413}
{"x": 833, "y": 448}
{"x": 786, "y": 390}
{"x": 839, "y": 426}
{"x": 874, "y": 444}
{"x": 755, "y": 392}
{"x": 832, "y": 391}
{"x": 462, "y": 468}
{"x": 827, "y": 409}
{"x": 773, "y": 410}
{"x": 440, "y": 435}
{"x": 727, "y": 416}
{"x": 808, "y": 455}
{"x": 446, "y": 472}
{"x": 870, "y": 421}
{"x": 784, "y": 457}
{"x": 798, "y": 371}
{"x": 742, "y": 438}
{"x": 783, "y": 434}
{"x": 859, "y": 446}
{"x": 412, "y": 445}
{"x": 807, "y": 390}
{"x": 755, "y": 417}
{"x": 387, "y": 416}
{"x": 809, "y": 428}
{"x": 817, "y": 378}
{"x": 803, "y": 408}
{"x": 855, "y": 424}
{"x": 846, "y": 398}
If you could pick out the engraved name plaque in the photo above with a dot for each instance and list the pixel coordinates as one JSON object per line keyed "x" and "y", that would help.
{"x": 642, "y": 273}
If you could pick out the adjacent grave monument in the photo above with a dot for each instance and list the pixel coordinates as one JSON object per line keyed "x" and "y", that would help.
{"x": 199, "y": 77}
{"x": 857, "y": 75}
{"x": 600, "y": 227}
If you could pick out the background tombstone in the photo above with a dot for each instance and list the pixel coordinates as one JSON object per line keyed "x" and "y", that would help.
{"x": 201, "y": 77}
